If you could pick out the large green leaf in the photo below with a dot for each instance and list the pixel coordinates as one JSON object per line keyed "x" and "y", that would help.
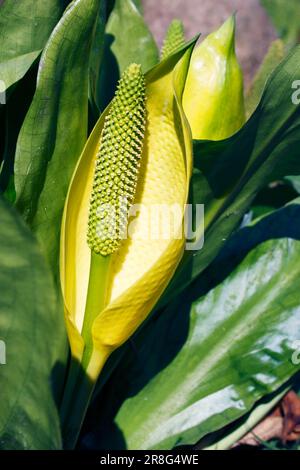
{"x": 285, "y": 15}
{"x": 229, "y": 174}
{"x": 127, "y": 40}
{"x": 216, "y": 351}
{"x": 25, "y": 26}
{"x": 31, "y": 325}
{"x": 273, "y": 57}
{"x": 55, "y": 128}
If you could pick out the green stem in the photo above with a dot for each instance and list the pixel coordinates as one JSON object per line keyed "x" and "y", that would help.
{"x": 72, "y": 377}
{"x": 81, "y": 400}
{"x": 95, "y": 302}
{"x": 79, "y": 387}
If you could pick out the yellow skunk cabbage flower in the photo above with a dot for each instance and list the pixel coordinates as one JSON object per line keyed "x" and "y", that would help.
{"x": 113, "y": 191}
{"x": 110, "y": 285}
{"x": 213, "y": 98}
{"x": 174, "y": 39}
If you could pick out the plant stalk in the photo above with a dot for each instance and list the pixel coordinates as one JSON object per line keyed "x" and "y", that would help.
{"x": 80, "y": 385}
{"x": 95, "y": 302}
{"x": 83, "y": 392}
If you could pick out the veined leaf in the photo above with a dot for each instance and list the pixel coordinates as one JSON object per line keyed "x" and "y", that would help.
{"x": 55, "y": 128}
{"x": 25, "y": 26}
{"x": 33, "y": 341}
{"x": 222, "y": 346}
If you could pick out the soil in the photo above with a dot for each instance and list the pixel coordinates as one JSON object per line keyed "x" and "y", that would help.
{"x": 254, "y": 29}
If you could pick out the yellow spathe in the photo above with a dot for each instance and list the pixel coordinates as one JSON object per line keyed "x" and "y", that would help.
{"x": 141, "y": 268}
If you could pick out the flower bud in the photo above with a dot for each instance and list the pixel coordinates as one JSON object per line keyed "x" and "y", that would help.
{"x": 213, "y": 98}
{"x": 174, "y": 39}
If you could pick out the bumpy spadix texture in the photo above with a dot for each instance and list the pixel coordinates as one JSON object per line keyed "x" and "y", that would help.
{"x": 174, "y": 39}
{"x": 117, "y": 164}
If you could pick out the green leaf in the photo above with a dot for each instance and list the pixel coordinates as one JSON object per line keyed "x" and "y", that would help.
{"x": 13, "y": 70}
{"x": 215, "y": 351}
{"x": 246, "y": 424}
{"x": 15, "y": 111}
{"x": 55, "y": 128}
{"x": 32, "y": 330}
{"x": 25, "y": 26}
{"x": 264, "y": 150}
{"x": 274, "y": 196}
{"x": 127, "y": 40}
{"x": 96, "y": 58}
{"x": 273, "y": 57}
{"x": 285, "y": 15}
{"x": 137, "y": 3}
{"x": 130, "y": 38}
{"x": 294, "y": 181}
